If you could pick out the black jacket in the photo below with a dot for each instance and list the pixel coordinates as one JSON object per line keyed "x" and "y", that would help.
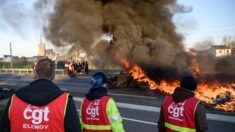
{"x": 96, "y": 93}
{"x": 40, "y": 93}
{"x": 179, "y": 95}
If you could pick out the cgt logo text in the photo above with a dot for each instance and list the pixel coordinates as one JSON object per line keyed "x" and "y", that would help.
{"x": 176, "y": 109}
{"x": 37, "y": 116}
{"x": 93, "y": 109}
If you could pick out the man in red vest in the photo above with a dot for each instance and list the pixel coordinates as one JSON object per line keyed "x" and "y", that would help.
{"x": 41, "y": 106}
{"x": 182, "y": 112}
{"x": 98, "y": 112}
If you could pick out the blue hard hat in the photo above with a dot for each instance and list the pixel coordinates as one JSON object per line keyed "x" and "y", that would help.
{"x": 98, "y": 79}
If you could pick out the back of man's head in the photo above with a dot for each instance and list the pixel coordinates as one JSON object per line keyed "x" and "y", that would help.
{"x": 45, "y": 69}
{"x": 189, "y": 83}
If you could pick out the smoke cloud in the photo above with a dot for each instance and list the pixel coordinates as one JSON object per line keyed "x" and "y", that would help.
{"x": 18, "y": 17}
{"x": 143, "y": 32}
{"x": 12, "y": 15}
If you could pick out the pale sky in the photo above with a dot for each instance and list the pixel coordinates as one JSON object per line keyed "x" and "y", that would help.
{"x": 209, "y": 20}
{"x": 21, "y": 24}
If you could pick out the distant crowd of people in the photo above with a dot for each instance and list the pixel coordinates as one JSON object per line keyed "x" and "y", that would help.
{"x": 74, "y": 69}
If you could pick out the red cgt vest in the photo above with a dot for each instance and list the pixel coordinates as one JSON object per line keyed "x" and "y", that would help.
{"x": 94, "y": 115}
{"x": 180, "y": 116}
{"x": 28, "y": 118}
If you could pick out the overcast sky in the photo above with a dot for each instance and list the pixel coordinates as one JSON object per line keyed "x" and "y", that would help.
{"x": 21, "y": 24}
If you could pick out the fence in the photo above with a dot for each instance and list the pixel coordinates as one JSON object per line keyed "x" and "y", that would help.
{"x": 58, "y": 71}
{"x": 26, "y": 71}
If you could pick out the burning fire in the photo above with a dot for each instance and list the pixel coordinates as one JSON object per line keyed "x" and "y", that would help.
{"x": 220, "y": 96}
{"x": 163, "y": 86}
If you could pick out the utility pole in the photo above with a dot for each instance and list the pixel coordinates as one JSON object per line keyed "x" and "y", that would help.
{"x": 11, "y": 56}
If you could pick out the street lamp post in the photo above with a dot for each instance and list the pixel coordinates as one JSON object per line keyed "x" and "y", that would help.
{"x": 11, "y": 56}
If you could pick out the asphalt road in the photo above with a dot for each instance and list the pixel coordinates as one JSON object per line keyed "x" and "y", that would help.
{"x": 139, "y": 119}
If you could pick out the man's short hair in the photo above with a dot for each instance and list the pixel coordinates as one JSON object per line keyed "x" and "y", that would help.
{"x": 45, "y": 68}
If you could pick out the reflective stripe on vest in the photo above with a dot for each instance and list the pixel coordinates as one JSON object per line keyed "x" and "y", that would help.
{"x": 94, "y": 115}
{"x": 114, "y": 118}
{"x": 180, "y": 116}
{"x": 178, "y": 128}
{"x": 30, "y": 118}
{"x": 97, "y": 127}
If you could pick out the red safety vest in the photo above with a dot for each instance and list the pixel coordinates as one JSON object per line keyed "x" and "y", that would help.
{"x": 94, "y": 115}
{"x": 25, "y": 117}
{"x": 180, "y": 116}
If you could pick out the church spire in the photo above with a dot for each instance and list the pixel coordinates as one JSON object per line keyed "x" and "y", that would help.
{"x": 42, "y": 48}
{"x": 41, "y": 38}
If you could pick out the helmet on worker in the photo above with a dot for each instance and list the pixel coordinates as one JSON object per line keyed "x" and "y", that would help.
{"x": 98, "y": 80}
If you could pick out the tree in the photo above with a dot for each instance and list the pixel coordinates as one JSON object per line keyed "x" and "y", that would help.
{"x": 227, "y": 40}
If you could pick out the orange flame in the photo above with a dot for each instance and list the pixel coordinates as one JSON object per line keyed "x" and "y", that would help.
{"x": 209, "y": 93}
{"x": 139, "y": 75}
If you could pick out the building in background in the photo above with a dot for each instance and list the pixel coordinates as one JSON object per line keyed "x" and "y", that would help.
{"x": 7, "y": 58}
{"x": 34, "y": 58}
{"x": 42, "y": 48}
{"x": 220, "y": 50}
{"x": 232, "y": 45}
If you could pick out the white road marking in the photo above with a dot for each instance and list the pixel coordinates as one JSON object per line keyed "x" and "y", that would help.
{"x": 214, "y": 117}
{"x": 129, "y": 95}
{"x": 135, "y": 120}
{"x": 64, "y": 89}
{"x": 78, "y": 99}
{"x": 140, "y": 121}
{"x": 7, "y": 84}
{"x": 138, "y": 107}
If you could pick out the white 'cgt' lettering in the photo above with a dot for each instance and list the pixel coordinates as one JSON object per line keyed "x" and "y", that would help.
{"x": 93, "y": 108}
{"x": 93, "y": 111}
{"x": 176, "y": 110}
{"x": 36, "y": 115}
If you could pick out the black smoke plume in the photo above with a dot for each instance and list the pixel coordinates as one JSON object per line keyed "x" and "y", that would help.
{"x": 143, "y": 32}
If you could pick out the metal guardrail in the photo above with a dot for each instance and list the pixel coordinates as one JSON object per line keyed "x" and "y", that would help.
{"x": 58, "y": 71}
{"x": 27, "y": 71}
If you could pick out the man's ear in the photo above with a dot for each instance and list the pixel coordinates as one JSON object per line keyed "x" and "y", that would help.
{"x": 35, "y": 76}
{"x": 53, "y": 76}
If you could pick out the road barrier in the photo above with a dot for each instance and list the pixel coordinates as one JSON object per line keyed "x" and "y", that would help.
{"x": 26, "y": 71}
{"x": 58, "y": 71}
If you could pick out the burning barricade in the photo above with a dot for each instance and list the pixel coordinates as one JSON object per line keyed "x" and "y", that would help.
{"x": 214, "y": 94}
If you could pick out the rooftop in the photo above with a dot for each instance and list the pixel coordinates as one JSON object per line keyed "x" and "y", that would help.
{"x": 220, "y": 47}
